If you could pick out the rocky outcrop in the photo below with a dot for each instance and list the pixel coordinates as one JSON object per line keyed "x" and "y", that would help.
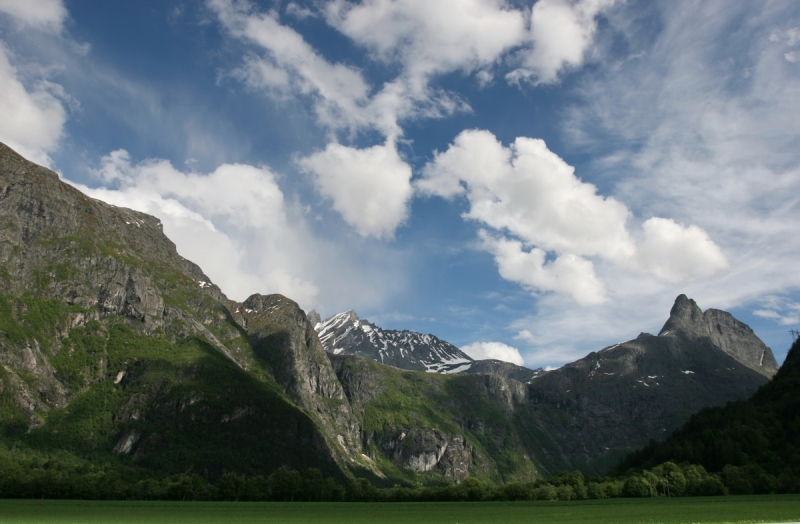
{"x": 420, "y": 450}
{"x": 731, "y": 336}
{"x": 453, "y": 425}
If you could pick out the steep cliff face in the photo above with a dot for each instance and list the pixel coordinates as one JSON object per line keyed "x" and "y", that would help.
{"x": 111, "y": 342}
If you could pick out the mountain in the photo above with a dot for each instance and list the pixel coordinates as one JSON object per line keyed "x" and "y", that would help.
{"x": 119, "y": 353}
{"x": 346, "y": 334}
{"x": 587, "y": 414}
{"x": 754, "y": 443}
{"x": 114, "y": 346}
{"x": 593, "y": 411}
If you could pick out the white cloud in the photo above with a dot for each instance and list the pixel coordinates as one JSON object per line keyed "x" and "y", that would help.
{"x": 41, "y": 14}
{"x": 529, "y": 191}
{"x": 784, "y": 311}
{"x": 561, "y": 33}
{"x": 493, "y": 351}
{"x": 424, "y": 39}
{"x": 32, "y": 120}
{"x": 370, "y": 188}
{"x": 568, "y": 273}
{"x": 674, "y": 253}
{"x": 430, "y": 37}
{"x": 526, "y": 191}
{"x": 289, "y": 62}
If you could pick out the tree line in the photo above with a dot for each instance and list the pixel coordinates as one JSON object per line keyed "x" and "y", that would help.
{"x": 35, "y": 474}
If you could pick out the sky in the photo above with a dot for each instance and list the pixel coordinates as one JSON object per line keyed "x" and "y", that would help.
{"x": 530, "y": 181}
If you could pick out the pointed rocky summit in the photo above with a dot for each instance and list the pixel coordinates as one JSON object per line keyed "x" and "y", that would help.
{"x": 732, "y": 336}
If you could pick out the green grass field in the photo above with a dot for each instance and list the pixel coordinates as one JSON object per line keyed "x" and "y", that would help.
{"x": 767, "y": 508}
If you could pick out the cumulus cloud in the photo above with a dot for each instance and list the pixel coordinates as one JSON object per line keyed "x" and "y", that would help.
{"x": 41, "y": 14}
{"x": 551, "y": 221}
{"x": 430, "y": 37}
{"x": 369, "y": 188}
{"x": 493, "y": 351}
{"x": 674, "y": 253}
{"x": 529, "y": 191}
{"x": 33, "y": 118}
{"x": 561, "y": 33}
{"x": 567, "y": 273}
{"x": 424, "y": 40}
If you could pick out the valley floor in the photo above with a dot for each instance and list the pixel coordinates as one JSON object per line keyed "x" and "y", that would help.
{"x": 731, "y": 509}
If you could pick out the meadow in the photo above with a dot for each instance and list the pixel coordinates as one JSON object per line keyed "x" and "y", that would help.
{"x": 738, "y": 509}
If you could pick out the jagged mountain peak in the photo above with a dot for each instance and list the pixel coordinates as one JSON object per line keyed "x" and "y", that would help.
{"x": 346, "y": 333}
{"x": 732, "y": 336}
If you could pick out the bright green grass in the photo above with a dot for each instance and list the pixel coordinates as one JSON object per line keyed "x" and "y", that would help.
{"x": 769, "y": 508}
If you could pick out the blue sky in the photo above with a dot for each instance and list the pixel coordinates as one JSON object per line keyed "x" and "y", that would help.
{"x": 532, "y": 181}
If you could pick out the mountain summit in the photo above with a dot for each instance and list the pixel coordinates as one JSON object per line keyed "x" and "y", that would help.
{"x": 731, "y": 336}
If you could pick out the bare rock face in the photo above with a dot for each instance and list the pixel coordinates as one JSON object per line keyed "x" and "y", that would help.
{"x": 733, "y": 337}
{"x": 448, "y": 424}
{"x": 420, "y": 450}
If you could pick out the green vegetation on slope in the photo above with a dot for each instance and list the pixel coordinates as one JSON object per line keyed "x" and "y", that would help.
{"x": 754, "y": 444}
{"x": 172, "y": 398}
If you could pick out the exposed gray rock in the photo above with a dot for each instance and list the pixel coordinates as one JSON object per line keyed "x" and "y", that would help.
{"x": 420, "y": 450}
{"x": 730, "y": 335}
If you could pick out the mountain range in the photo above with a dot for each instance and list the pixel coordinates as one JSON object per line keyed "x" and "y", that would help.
{"x": 115, "y": 349}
